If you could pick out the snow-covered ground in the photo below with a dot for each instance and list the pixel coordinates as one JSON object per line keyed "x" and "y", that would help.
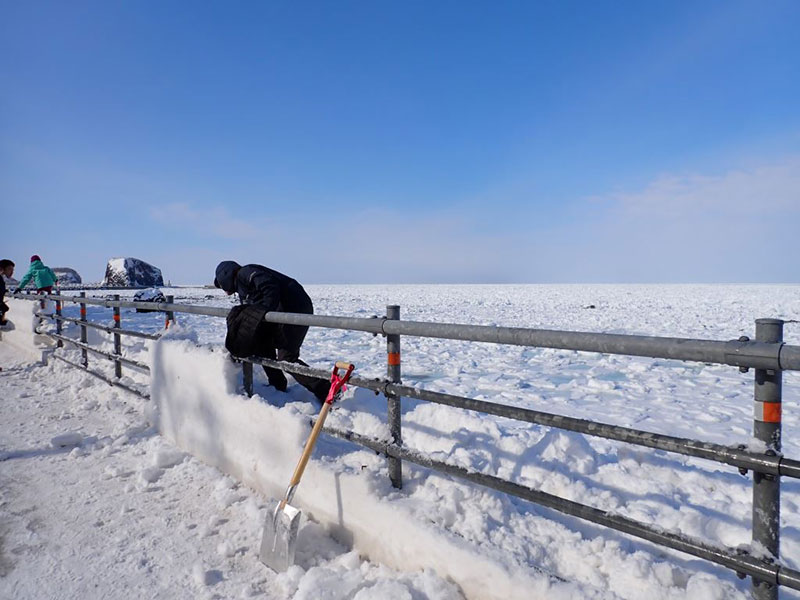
{"x": 126, "y": 513}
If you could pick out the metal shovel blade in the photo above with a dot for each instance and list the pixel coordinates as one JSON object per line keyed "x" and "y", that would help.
{"x": 279, "y": 539}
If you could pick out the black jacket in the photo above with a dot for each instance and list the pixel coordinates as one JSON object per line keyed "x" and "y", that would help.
{"x": 3, "y": 305}
{"x": 245, "y": 326}
{"x": 261, "y": 290}
{"x": 271, "y": 290}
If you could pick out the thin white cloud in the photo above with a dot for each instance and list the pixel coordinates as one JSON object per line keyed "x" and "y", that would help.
{"x": 736, "y": 226}
{"x": 215, "y": 220}
{"x": 737, "y": 193}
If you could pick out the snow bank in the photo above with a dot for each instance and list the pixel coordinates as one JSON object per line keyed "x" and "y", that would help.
{"x": 20, "y": 333}
{"x": 198, "y": 408}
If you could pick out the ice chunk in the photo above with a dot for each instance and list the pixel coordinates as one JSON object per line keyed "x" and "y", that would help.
{"x": 65, "y": 440}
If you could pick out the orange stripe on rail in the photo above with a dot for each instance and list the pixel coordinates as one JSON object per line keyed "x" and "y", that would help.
{"x": 393, "y": 358}
{"x": 772, "y": 412}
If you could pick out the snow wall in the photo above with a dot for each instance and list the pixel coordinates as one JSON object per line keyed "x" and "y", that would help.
{"x": 198, "y": 408}
{"x": 21, "y": 335}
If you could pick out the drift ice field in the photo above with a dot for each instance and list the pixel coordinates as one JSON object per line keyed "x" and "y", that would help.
{"x": 106, "y": 495}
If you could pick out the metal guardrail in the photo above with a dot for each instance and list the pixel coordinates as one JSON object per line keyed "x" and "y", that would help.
{"x": 768, "y": 355}
{"x": 84, "y": 345}
{"x": 743, "y": 564}
{"x": 738, "y": 353}
{"x": 738, "y": 457}
{"x": 118, "y": 384}
{"x": 108, "y": 355}
{"x": 106, "y": 328}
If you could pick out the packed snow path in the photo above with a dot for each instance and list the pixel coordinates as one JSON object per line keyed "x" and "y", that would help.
{"x": 117, "y": 512}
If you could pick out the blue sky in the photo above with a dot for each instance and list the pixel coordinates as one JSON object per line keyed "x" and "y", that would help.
{"x": 405, "y": 142}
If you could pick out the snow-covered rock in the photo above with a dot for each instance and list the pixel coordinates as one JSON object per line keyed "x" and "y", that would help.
{"x": 149, "y": 295}
{"x": 131, "y": 272}
{"x": 67, "y": 276}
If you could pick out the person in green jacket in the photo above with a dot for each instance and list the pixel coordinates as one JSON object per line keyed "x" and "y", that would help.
{"x": 43, "y": 277}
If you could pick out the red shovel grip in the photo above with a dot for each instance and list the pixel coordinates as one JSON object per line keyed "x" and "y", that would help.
{"x": 338, "y": 382}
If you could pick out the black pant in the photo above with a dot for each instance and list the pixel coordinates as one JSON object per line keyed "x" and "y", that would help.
{"x": 283, "y": 342}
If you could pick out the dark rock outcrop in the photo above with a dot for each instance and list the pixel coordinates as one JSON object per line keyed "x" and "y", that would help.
{"x": 131, "y": 272}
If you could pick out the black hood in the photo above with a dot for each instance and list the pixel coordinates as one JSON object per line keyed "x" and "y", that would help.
{"x": 226, "y": 275}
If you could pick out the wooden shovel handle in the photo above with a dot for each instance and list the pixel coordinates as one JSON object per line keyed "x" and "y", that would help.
{"x": 343, "y": 365}
{"x": 312, "y": 439}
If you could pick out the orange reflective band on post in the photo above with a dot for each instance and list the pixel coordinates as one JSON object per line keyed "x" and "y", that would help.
{"x": 393, "y": 358}
{"x": 116, "y": 318}
{"x": 768, "y": 412}
{"x": 772, "y": 412}
{"x": 166, "y": 323}
{"x": 83, "y": 312}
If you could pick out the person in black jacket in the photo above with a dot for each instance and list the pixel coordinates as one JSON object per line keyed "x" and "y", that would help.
{"x": 262, "y": 288}
{"x": 6, "y": 270}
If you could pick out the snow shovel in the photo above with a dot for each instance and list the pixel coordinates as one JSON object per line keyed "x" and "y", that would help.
{"x": 280, "y": 532}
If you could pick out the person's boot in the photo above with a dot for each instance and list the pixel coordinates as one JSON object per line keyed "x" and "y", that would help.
{"x": 276, "y": 378}
{"x": 278, "y": 381}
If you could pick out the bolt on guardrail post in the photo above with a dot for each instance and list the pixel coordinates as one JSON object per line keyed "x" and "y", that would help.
{"x": 247, "y": 377}
{"x": 393, "y": 407}
{"x": 84, "y": 337}
{"x": 117, "y": 340}
{"x": 170, "y": 314}
{"x": 59, "y": 343}
{"x": 767, "y": 428}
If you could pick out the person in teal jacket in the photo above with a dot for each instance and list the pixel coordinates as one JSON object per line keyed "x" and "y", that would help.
{"x": 43, "y": 277}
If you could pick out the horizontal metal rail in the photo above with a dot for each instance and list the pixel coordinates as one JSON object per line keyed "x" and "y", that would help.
{"x": 209, "y": 311}
{"x": 738, "y": 353}
{"x": 741, "y": 563}
{"x": 759, "y": 355}
{"x": 106, "y": 328}
{"x": 737, "y": 457}
{"x": 108, "y": 355}
{"x": 100, "y": 376}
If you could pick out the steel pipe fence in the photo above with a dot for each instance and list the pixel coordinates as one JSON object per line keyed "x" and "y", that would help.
{"x": 730, "y": 455}
{"x": 112, "y": 357}
{"x": 100, "y": 376}
{"x": 743, "y": 353}
{"x": 742, "y": 563}
{"x": 116, "y": 331}
{"x": 117, "y": 339}
{"x": 768, "y": 355}
{"x": 113, "y": 330}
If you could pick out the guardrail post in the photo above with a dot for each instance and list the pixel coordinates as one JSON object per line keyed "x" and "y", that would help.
{"x": 84, "y": 336}
{"x": 117, "y": 339}
{"x": 247, "y": 377}
{"x": 170, "y": 314}
{"x": 767, "y": 428}
{"x": 59, "y": 343}
{"x": 393, "y": 408}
